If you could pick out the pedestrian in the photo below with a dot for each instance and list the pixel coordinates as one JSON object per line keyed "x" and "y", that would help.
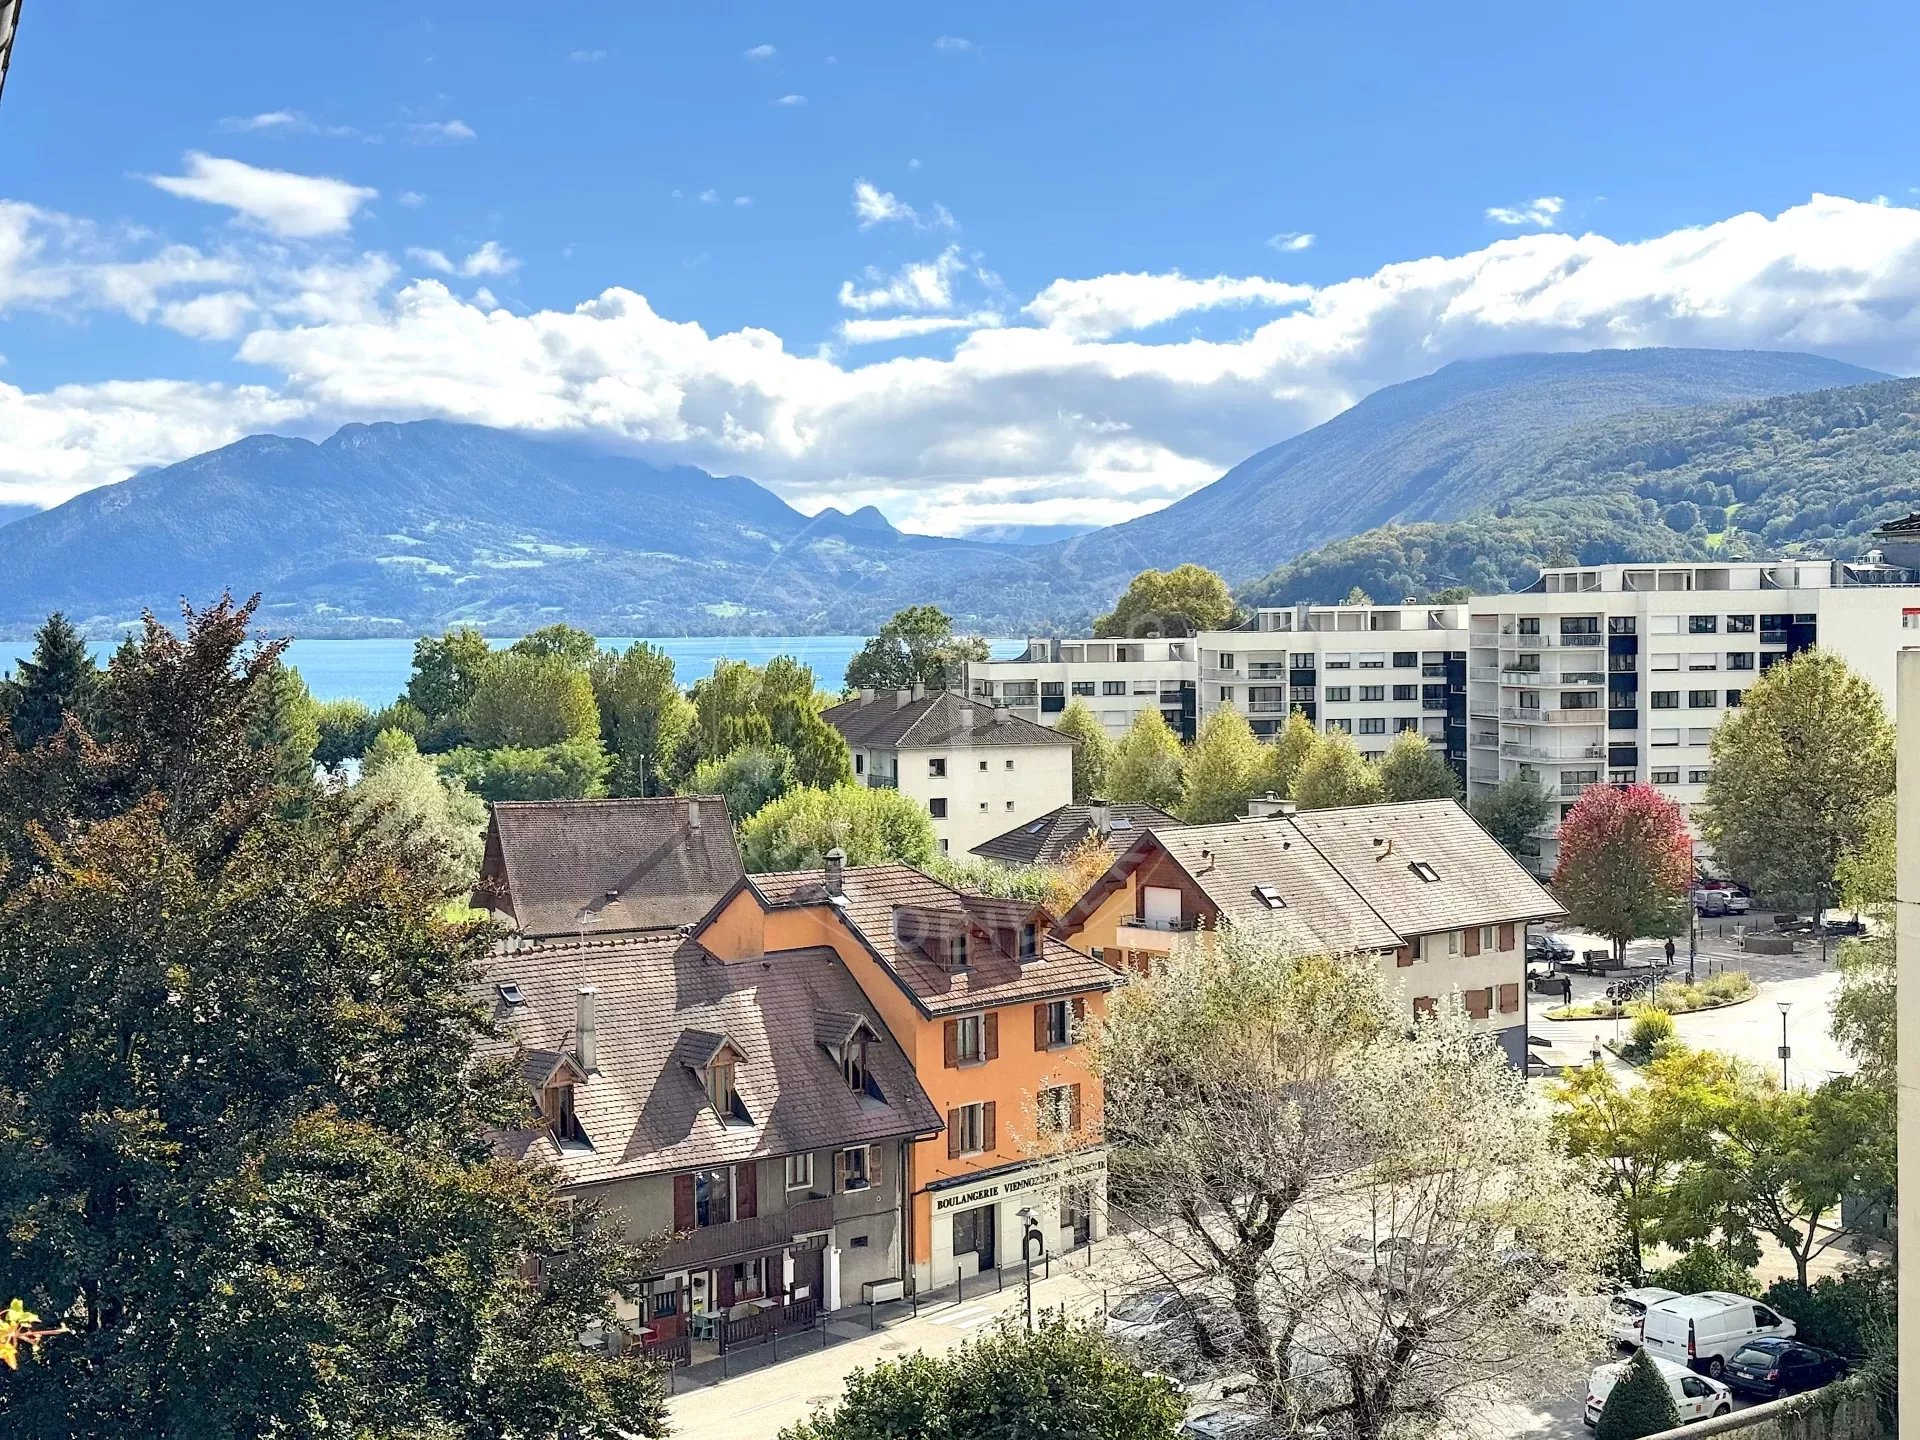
{"x": 1669, "y": 950}
{"x": 1566, "y": 990}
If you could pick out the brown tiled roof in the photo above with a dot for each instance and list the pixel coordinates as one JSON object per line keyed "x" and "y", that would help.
{"x": 1479, "y": 884}
{"x": 1049, "y": 839}
{"x": 870, "y": 894}
{"x": 1320, "y": 911}
{"x": 632, "y": 864}
{"x": 939, "y": 719}
{"x": 665, "y": 1004}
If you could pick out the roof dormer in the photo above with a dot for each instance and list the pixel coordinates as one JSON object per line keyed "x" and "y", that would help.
{"x": 714, "y": 1060}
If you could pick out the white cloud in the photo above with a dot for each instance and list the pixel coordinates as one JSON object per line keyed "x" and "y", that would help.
{"x": 1291, "y": 240}
{"x": 439, "y": 132}
{"x": 955, "y": 45}
{"x": 290, "y": 205}
{"x": 217, "y": 315}
{"x": 290, "y": 122}
{"x": 927, "y": 285}
{"x": 709, "y": 197}
{"x": 1543, "y": 212}
{"x": 490, "y": 259}
{"x": 873, "y": 206}
{"x": 412, "y": 199}
{"x": 1007, "y": 421}
{"x": 586, "y": 57}
{"x": 435, "y": 260}
{"x": 1111, "y": 304}
{"x": 760, "y": 52}
{"x": 791, "y": 102}
{"x": 742, "y": 202}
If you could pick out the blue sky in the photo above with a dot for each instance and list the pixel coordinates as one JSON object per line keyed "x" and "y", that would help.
{"x": 977, "y": 264}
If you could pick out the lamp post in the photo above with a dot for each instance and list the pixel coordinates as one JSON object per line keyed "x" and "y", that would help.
{"x": 1030, "y": 1232}
{"x": 1693, "y": 938}
{"x": 1786, "y": 1050}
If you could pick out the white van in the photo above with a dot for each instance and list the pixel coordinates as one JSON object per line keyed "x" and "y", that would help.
{"x": 1702, "y": 1331}
{"x": 1694, "y": 1396}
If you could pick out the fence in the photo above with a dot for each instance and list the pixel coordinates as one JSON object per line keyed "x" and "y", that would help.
{"x": 765, "y": 1326}
{"x": 1846, "y": 1410}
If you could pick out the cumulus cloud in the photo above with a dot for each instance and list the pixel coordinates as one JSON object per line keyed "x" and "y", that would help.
{"x": 1543, "y": 212}
{"x": 873, "y": 206}
{"x": 290, "y": 205}
{"x": 1290, "y": 240}
{"x": 1071, "y": 415}
{"x": 760, "y": 52}
{"x": 791, "y": 102}
{"x": 490, "y": 259}
{"x": 926, "y": 285}
{"x": 1095, "y": 309}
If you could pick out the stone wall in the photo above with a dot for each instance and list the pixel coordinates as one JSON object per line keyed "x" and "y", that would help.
{"x": 1846, "y": 1410}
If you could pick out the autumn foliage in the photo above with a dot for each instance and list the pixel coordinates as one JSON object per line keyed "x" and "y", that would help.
{"x": 1626, "y": 864}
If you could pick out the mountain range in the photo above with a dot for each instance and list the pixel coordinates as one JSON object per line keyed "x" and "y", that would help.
{"x": 399, "y": 528}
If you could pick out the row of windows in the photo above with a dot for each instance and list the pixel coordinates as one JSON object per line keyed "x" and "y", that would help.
{"x": 937, "y": 766}
{"x": 1336, "y": 694}
{"x": 1671, "y": 776}
{"x": 1666, "y": 624}
{"x": 1372, "y": 725}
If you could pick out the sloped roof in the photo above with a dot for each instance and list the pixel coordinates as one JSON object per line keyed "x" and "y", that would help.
{"x": 1320, "y": 911}
{"x": 940, "y": 719}
{"x": 628, "y": 864}
{"x": 870, "y": 894}
{"x": 1050, "y": 838}
{"x": 644, "y": 1109}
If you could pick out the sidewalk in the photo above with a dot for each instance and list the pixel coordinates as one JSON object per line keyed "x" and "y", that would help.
{"x": 764, "y": 1395}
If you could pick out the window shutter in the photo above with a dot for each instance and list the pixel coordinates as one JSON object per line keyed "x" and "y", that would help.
{"x": 746, "y": 1190}
{"x": 1079, "y": 1009}
{"x": 839, "y": 1172}
{"x": 1509, "y": 999}
{"x": 953, "y": 1134}
{"x": 990, "y": 1036}
{"x": 1040, "y": 1027}
{"x": 952, "y": 1043}
{"x": 1403, "y": 957}
{"x": 1073, "y": 1106}
{"x": 989, "y": 1126}
{"x": 726, "y": 1287}
{"x": 1506, "y": 937}
{"x": 873, "y": 1166}
{"x": 1473, "y": 940}
{"x": 683, "y": 1202}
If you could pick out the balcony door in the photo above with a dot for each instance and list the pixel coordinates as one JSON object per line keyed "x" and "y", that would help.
{"x": 1161, "y": 907}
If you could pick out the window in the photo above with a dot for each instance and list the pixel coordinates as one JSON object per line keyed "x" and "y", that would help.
{"x": 969, "y": 1129}
{"x": 1056, "y": 1024}
{"x": 1666, "y": 777}
{"x": 1703, "y": 624}
{"x": 1424, "y": 872}
{"x": 1740, "y": 660}
{"x": 1029, "y": 941}
{"x": 1703, "y": 662}
{"x": 1406, "y": 659}
{"x": 1300, "y": 660}
{"x": 1739, "y": 624}
{"x": 937, "y": 808}
{"x": 1408, "y": 722}
{"x": 1226, "y": 660}
{"x": 937, "y": 767}
{"x": 957, "y": 958}
{"x": 712, "y": 1197}
{"x": 859, "y": 763}
{"x": 1733, "y": 699}
{"x": 1665, "y": 662}
{"x": 1623, "y": 625}
{"x": 1453, "y": 936}
{"x": 1083, "y": 687}
{"x": 1373, "y": 692}
{"x": 1663, "y": 737}
{"x": 1666, "y": 699}
{"x": 1339, "y": 693}
{"x": 983, "y": 767}
{"x": 800, "y": 1172}
{"x": 1269, "y": 896}
{"x": 1703, "y": 699}
{"x": 1053, "y": 688}
{"x": 1700, "y": 735}
{"x": 1528, "y": 625}
{"x": 1620, "y": 777}
{"x": 1058, "y": 1109}
{"x": 1406, "y": 692}
{"x": 1372, "y": 725}
{"x": 1007, "y": 766}
{"x": 1345, "y": 726}
{"x": 853, "y": 1069}
{"x": 556, "y": 1103}
{"x": 1113, "y": 687}
{"x": 665, "y": 1301}
{"x": 1340, "y": 662}
{"x": 1302, "y": 693}
{"x": 1663, "y": 624}
{"x": 750, "y": 1278}
{"x": 1486, "y": 937}
{"x": 720, "y": 1090}
{"x": 1699, "y": 777}
{"x": 855, "y": 1168}
{"x": 1009, "y": 807}
{"x": 1375, "y": 660}
{"x": 967, "y": 1042}
{"x": 1226, "y": 694}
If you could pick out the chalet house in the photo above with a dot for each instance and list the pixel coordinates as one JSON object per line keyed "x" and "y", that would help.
{"x": 985, "y": 1003}
{"x": 1419, "y": 884}
{"x": 761, "y": 1112}
{"x": 1052, "y": 837}
{"x": 595, "y": 868}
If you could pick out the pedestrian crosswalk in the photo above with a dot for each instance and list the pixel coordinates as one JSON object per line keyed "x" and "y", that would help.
{"x": 966, "y": 1317}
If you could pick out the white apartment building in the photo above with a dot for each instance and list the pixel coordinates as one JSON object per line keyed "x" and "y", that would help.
{"x": 978, "y": 769}
{"x": 1117, "y": 679}
{"x": 1621, "y": 673}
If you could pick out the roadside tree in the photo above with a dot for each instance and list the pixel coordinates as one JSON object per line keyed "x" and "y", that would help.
{"x": 1511, "y": 811}
{"x": 1626, "y": 864}
{"x": 1413, "y": 770}
{"x": 1148, "y": 766}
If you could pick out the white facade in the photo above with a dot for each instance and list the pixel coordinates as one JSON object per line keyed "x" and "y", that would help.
{"x": 1622, "y": 673}
{"x": 974, "y": 790}
{"x": 1066, "y": 1198}
{"x": 1116, "y": 679}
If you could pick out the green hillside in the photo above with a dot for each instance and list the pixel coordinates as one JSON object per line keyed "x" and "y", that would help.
{"x": 1808, "y": 473}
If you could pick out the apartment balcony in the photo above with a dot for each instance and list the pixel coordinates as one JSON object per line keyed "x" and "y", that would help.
{"x": 1487, "y": 740}
{"x": 1483, "y": 777}
{"x": 1552, "y": 754}
{"x": 1431, "y": 671}
{"x": 1267, "y": 672}
{"x": 878, "y": 780}
{"x": 1215, "y": 672}
{"x": 1595, "y": 718}
{"x": 1513, "y": 640}
{"x": 1157, "y": 936}
{"x": 1272, "y": 707}
{"x": 744, "y": 1237}
{"x": 1548, "y": 831}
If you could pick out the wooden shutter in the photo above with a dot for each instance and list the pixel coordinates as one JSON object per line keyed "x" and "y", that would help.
{"x": 683, "y": 1202}
{"x": 746, "y": 1190}
{"x": 1073, "y": 1107}
{"x": 873, "y": 1167}
{"x": 839, "y": 1172}
{"x": 1040, "y": 1027}
{"x": 1473, "y": 940}
{"x": 1423, "y": 1005}
{"x": 990, "y": 1035}
{"x": 1509, "y": 999}
{"x": 1078, "y": 1006}
{"x": 1479, "y": 1003}
{"x": 989, "y": 1126}
{"x": 952, "y": 1044}
{"x": 1403, "y": 957}
{"x": 1506, "y": 937}
{"x": 725, "y": 1288}
{"x": 953, "y": 1134}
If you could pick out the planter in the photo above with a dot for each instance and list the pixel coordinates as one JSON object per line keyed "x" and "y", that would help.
{"x": 1622, "y": 1014}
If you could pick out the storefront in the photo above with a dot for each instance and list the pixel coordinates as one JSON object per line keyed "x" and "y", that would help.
{"x": 982, "y": 1222}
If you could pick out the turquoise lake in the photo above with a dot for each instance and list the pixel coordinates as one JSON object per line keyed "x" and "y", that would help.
{"x": 375, "y": 671}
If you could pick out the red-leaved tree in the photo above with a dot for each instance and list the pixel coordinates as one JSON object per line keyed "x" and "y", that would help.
{"x": 1626, "y": 864}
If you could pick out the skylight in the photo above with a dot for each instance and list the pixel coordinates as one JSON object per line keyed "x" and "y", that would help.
{"x": 1270, "y": 897}
{"x": 1120, "y": 822}
{"x": 1423, "y": 871}
{"x": 510, "y": 993}
{"x": 1037, "y": 826}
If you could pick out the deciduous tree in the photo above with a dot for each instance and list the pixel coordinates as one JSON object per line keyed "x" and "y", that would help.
{"x": 1626, "y": 864}
{"x": 527, "y": 701}
{"x": 1224, "y": 768}
{"x": 1148, "y": 766}
{"x": 446, "y": 672}
{"x": 796, "y": 831}
{"x": 747, "y": 779}
{"x": 346, "y": 728}
{"x": 1412, "y": 769}
{"x": 1511, "y": 811}
{"x": 1297, "y": 740}
{"x": 1180, "y": 601}
{"x": 1093, "y": 752}
{"x": 403, "y": 795}
{"x": 1335, "y": 774}
{"x": 576, "y": 770}
{"x": 644, "y": 717}
{"x": 559, "y": 642}
{"x": 916, "y": 646}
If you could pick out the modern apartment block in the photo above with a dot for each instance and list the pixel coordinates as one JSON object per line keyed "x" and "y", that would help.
{"x": 1621, "y": 673}
{"x": 1116, "y": 678}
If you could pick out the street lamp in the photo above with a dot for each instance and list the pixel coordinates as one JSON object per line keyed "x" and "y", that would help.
{"x": 1030, "y": 1232}
{"x": 1786, "y": 1050}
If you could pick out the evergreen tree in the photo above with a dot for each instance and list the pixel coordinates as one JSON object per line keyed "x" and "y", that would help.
{"x": 1148, "y": 767}
{"x": 61, "y": 677}
{"x": 1335, "y": 774}
{"x": 1413, "y": 770}
{"x": 1092, "y": 755}
{"x": 286, "y": 725}
{"x": 1639, "y": 1404}
{"x": 1224, "y": 769}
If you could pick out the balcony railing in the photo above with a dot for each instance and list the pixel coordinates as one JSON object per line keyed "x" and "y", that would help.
{"x": 1183, "y": 923}
{"x": 1594, "y": 717}
{"x": 742, "y": 1237}
{"x": 1489, "y": 739}
{"x": 877, "y": 780}
{"x": 1554, "y": 754}
{"x": 1514, "y": 640}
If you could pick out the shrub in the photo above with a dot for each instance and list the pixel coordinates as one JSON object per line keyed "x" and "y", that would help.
{"x": 1732, "y": 985}
{"x": 1844, "y": 1313}
{"x": 1704, "y": 1267}
{"x": 1640, "y": 1403}
{"x": 1651, "y": 1025}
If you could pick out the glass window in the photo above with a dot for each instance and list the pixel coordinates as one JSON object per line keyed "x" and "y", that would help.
{"x": 800, "y": 1172}
{"x": 1083, "y": 687}
{"x": 966, "y": 1041}
{"x": 1301, "y": 660}
{"x": 1343, "y": 725}
{"x": 1406, "y": 692}
{"x": 970, "y": 1128}
{"x": 1666, "y": 777}
{"x": 1338, "y": 694}
{"x": 1665, "y": 699}
{"x": 1055, "y": 1110}
{"x": 1733, "y": 699}
{"x": 937, "y": 767}
{"x": 1699, "y": 777}
{"x": 712, "y": 1197}
{"x": 1373, "y": 692}
{"x": 1372, "y": 725}
{"x": 1052, "y": 687}
{"x": 1739, "y": 624}
{"x": 1740, "y": 660}
{"x": 1665, "y": 662}
{"x": 1703, "y": 699}
{"x": 853, "y": 1165}
{"x": 1663, "y": 624}
{"x": 937, "y": 808}
{"x": 1406, "y": 659}
{"x": 1703, "y": 624}
{"x": 1113, "y": 687}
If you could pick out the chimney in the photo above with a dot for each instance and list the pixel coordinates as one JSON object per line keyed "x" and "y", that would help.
{"x": 966, "y": 717}
{"x": 693, "y": 812}
{"x": 1001, "y": 715}
{"x": 866, "y": 697}
{"x": 836, "y": 871}
{"x": 1100, "y": 817}
{"x": 1269, "y": 807}
{"x": 586, "y": 1038}
{"x": 919, "y": 692}
{"x": 901, "y": 697}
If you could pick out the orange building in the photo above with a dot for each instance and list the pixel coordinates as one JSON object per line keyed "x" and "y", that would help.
{"x": 985, "y": 1004}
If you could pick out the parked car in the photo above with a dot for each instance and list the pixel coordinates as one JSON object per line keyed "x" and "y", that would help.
{"x": 1630, "y": 1311}
{"x": 1173, "y": 1331}
{"x": 1392, "y": 1261}
{"x": 1694, "y": 1396}
{"x": 1703, "y": 1331}
{"x": 1550, "y": 948}
{"x": 1775, "y": 1367}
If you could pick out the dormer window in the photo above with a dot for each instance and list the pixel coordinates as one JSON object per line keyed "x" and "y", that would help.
{"x": 957, "y": 952}
{"x": 720, "y": 1089}
{"x": 854, "y": 1070}
{"x": 556, "y": 1108}
{"x": 712, "y": 1058}
{"x": 1029, "y": 942}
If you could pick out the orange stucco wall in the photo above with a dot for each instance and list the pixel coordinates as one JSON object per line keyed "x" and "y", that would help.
{"x": 739, "y": 931}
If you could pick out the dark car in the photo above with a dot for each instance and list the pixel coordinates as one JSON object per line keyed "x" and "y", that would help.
{"x": 1774, "y": 1366}
{"x": 1549, "y": 949}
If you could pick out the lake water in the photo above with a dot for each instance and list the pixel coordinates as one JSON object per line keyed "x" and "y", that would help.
{"x": 375, "y": 671}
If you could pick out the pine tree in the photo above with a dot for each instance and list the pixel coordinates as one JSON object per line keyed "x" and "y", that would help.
{"x": 61, "y": 677}
{"x": 1639, "y": 1404}
{"x": 1092, "y": 756}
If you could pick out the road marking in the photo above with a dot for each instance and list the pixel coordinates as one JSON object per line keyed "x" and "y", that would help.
{"x": 966, "y": 1319}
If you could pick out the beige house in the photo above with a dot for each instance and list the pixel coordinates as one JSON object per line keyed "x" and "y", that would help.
{"x": 978, "y": 769}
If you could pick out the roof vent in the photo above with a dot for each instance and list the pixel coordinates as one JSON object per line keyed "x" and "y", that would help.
{"x": 836, "y": 875}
